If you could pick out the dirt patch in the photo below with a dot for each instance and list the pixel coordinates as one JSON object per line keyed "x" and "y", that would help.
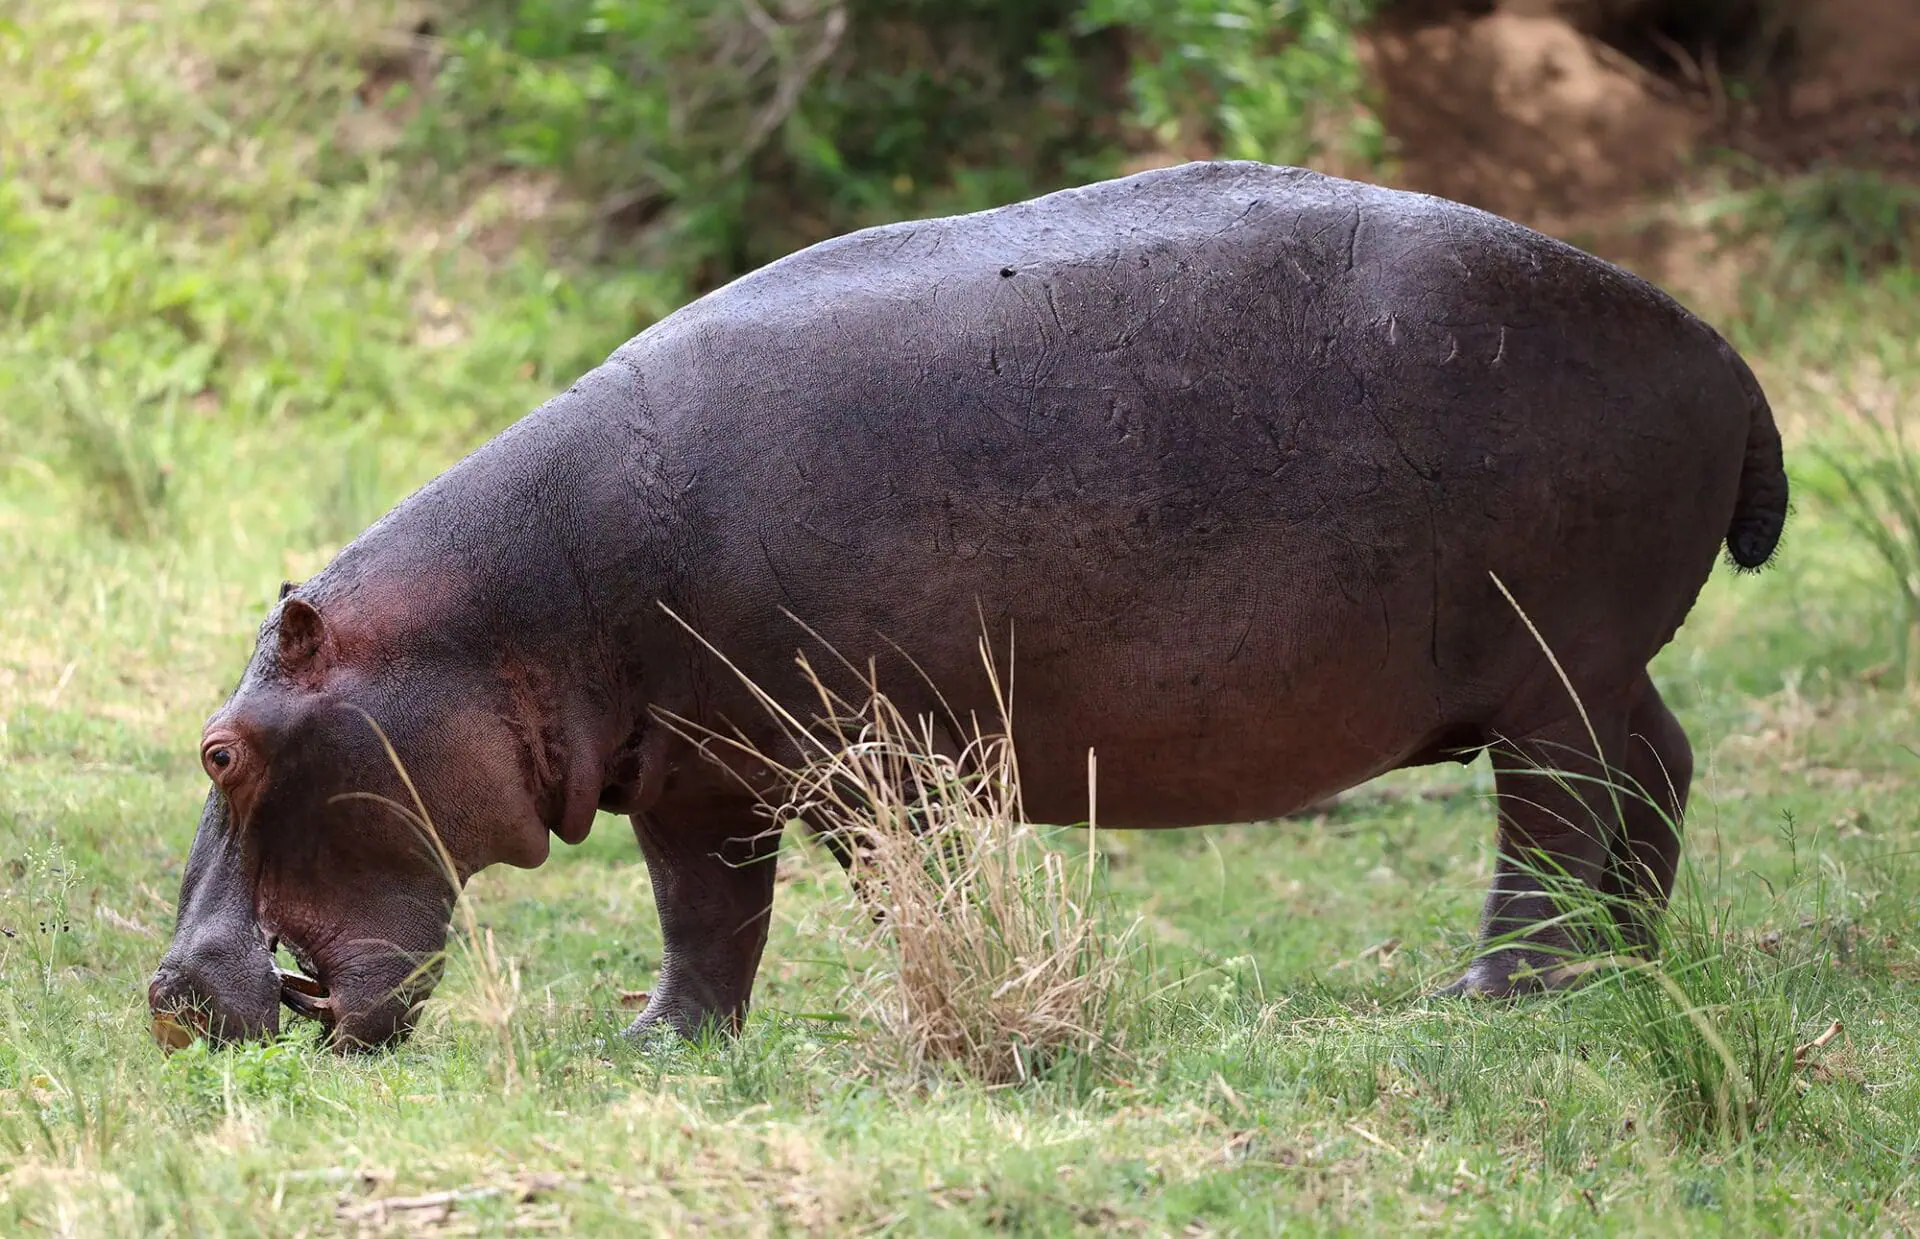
{"x": 1853, "y": 95}
{"x": 1856, "y": 49}
{"x": 1581, "y": 116}
{"x": 1525, "y": 116}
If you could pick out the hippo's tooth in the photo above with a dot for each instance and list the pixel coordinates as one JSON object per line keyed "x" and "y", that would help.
{"x": 301, "y": 984}
{"x": 305, "y": 996}
{"x": 308, "y": 1006}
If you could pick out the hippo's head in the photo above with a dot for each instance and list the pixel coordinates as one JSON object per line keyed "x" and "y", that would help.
{"x": 313, "y": 836}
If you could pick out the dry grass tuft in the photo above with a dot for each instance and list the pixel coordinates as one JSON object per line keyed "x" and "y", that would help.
{"x": 991, "y": 949}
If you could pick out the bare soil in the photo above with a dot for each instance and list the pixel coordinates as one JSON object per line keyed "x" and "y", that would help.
{"x": 1581, "y": 116}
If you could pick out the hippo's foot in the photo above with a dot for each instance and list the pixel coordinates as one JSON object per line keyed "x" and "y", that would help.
{"x": 684, "y": 1016}
{"x": 647, "y": 1028}
{"x": 1516, "y": 972}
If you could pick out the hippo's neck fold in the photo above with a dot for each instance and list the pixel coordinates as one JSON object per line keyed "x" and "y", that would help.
{"x": 537, "y": 556}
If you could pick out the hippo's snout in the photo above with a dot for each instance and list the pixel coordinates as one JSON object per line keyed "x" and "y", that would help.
{"x": 224, "y": 995}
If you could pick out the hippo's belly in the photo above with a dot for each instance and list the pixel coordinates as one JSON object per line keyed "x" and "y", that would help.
{"x": 1237, "y": 687}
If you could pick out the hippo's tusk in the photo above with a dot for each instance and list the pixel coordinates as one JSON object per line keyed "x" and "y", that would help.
{"x": 305, "y": 996}
{"x": 301, "y": 984}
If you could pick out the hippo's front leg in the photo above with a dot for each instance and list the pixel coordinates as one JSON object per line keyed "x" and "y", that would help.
{"x": 712, "y": 877}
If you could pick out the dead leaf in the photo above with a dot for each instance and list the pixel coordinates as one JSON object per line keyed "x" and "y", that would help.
{"x": 1382, "y": 949}
{"x": 1803, "y": 1053}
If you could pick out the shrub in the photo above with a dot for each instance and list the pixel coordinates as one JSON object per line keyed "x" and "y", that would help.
{"x": 736, "y": 132}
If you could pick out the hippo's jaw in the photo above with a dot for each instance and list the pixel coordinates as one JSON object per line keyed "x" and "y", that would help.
{"x": 366, "y": 966}
{"x": 365, "y": 993}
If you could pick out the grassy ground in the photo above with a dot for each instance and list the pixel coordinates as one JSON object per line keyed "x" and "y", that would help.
{"x": 235, "y": 330}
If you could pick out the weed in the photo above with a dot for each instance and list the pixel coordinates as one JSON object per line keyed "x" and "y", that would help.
{"x": 39, "y": 909}
{"x": 1874, "y": 482}
{"x": 1719, "y": 1022}
{"x": 214, "y": 1081}
{"x": 1837, "y": 223}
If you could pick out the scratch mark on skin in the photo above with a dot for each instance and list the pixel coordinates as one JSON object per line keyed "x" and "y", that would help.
{"x": 1501, "y": 355}
{"x": 1386, "y": 623}
{"x": 808, "y": 529}
{"x": 1056, "y": 312}
{"x": 774, "y": 572}
{"x": 1386, "y": 427}
{"x": 1452, "y": 352}
{"x": 1244, "y": 630}
{"x": 1238, "y": 220}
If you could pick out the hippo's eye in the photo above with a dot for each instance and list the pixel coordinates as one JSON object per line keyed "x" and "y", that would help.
{"x": 221, "y": 759}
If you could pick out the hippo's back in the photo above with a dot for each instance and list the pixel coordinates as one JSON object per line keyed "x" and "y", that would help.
{"x": 1234, "y": 451}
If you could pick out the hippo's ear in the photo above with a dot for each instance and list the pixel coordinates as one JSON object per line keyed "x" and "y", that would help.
{"x": 302, "y": 638}
{"x": 286, "y": 587}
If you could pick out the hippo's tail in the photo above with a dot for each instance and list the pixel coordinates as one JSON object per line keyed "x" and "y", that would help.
{"x": 1760, "y": 513}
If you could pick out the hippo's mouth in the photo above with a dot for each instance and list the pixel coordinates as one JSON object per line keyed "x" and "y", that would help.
{"x": 305, "y": 996}
{"x": 301, "y": 993}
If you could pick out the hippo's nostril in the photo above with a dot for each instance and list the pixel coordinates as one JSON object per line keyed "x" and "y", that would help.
{"x": 178, "y": 1014}
{"x": 167, "y": 990}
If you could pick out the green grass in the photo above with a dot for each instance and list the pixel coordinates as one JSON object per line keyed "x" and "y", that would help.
{"x": 233, "y": 335}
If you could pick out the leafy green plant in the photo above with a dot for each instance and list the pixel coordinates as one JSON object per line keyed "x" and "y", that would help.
{"x": 1253, "y": 79}
{"x": 212, "y": 1080}
{"x": 738, "y": 132}
{"x": 38, "y": 904}
{"x": 649, "y": 99}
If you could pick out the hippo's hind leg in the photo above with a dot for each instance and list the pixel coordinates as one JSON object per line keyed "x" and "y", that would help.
{"x": 712, "y": 878}
{"x": 1558, "y": 818}
{"x": 1656, "y": 770}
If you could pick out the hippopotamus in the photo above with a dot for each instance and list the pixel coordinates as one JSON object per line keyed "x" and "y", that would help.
{"x": 1276, "y": 482}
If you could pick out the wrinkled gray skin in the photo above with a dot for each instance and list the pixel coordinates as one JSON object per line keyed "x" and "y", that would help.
{"x": 1233, "y": 451}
